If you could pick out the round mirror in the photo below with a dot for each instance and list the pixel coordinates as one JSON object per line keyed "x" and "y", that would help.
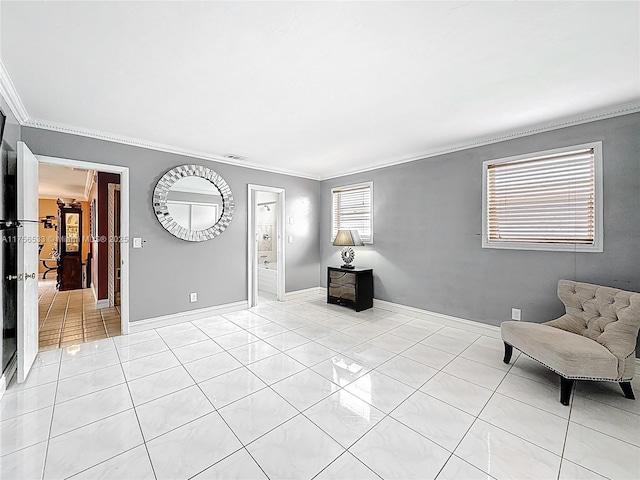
{"x": 193, "y": 203}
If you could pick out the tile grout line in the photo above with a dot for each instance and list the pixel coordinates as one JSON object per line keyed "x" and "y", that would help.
{"x": 133, "y": 406}
{"x": 64, "y": 320}
{"x": 53, "y": 412}
{"x": 215, "y": 409}
{"x": 301, "y": 412}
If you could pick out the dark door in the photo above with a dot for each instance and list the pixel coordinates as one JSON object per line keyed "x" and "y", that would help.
{"x": 8, "y": 254}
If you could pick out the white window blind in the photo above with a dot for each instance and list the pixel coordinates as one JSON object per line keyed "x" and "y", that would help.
{"x": 543, "y": 199}
{"x": 353, "y": 210}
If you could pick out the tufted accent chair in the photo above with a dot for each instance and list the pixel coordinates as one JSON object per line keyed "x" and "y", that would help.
{"x": 594, "y": 340}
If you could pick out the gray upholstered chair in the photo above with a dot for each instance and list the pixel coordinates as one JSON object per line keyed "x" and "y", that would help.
{"x": 594, "y": 340}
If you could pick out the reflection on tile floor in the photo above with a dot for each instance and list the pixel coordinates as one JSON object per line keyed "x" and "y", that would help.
{"x": 68, "y": 318}
{"x": 302, "y": 390}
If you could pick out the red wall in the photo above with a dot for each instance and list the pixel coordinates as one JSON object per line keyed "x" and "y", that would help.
{"x": 100, "y": 272}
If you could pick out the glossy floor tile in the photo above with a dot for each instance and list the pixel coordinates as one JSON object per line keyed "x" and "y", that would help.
{"x": 393, "y": 450}
{"x": 302, "y": 390}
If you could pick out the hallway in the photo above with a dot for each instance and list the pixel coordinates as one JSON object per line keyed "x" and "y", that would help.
{"x": 70, "y": 317}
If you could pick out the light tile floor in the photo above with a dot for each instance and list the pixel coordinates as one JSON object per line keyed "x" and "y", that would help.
{"x": 71, "y": 317}
{"x": 302, "y": 390}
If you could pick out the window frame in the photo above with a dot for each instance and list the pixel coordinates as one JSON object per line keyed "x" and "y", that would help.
{"x": 598, "y": 240}
{"x": 333, "y": 213}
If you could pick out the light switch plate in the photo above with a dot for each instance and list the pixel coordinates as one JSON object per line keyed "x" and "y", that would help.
{"x": 137, "y": 242}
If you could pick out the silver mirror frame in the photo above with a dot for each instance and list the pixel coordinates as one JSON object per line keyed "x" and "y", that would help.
{"x": 161, "y": 192}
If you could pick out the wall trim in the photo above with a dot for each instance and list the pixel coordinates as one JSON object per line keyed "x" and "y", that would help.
{"x": 569, "y": 121}
{"x": 304, "y": 292}
{"x": 8, "y": 90}
{"x": 440, "y": 318}
{"x": 8, "y": 374}
{"x": 472, "y": 326}
{"x": 161, "y": 147}
{"x": 104, "y": 303}
{"x": 10, "y": 94}
{"x": 188, "y": 316}
{"x": 99, "y": 304}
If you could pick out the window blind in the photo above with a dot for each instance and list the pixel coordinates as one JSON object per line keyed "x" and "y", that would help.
{"x": 548, "y": 199}
{"x": 352, "y": 210}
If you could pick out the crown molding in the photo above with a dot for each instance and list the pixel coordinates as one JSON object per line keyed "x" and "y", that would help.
{"x": 136, "y": 142}
{"x": 569, "y": 121}
{"x": 10, "y": 95}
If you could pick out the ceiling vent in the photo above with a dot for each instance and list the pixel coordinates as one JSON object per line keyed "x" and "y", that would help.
{"x": 233, "y": 156}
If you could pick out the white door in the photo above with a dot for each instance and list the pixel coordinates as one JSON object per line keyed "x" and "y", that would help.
{"x": 27, "y": 179}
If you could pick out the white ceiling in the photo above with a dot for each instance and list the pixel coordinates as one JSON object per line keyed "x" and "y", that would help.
{"x": 55, "y": 181}
{"x": 319, "y": 88}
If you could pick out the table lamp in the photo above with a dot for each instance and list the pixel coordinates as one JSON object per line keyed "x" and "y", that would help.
{"x": 348, "y": 239}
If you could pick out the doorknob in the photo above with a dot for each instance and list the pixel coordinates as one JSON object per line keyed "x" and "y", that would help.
{"x": 27, "y": 276}
{"x": 14, "y": 277}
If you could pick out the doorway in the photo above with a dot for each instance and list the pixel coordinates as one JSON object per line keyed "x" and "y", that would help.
{"x": 79, "y": 225}
{"x": 99, "y": 307}
{"x": 266, "y": 245}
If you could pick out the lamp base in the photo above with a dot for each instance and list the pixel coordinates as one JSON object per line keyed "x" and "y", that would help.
{"x": 348, "y": 267}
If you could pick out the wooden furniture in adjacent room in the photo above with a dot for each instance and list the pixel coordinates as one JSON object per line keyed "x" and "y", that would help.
{"x": 350, "y": 287}
{"x": 69, "y": 248}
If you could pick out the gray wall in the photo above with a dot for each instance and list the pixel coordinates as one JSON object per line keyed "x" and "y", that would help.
{"x": 427, "y": 231}
{"x": 164, "y": 272}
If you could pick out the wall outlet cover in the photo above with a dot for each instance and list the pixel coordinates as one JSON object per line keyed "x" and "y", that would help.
{"x": 193, "y": 297}
{"x": 516, "y": 314}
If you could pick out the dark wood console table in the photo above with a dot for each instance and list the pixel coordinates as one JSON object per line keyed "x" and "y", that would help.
{"x": 350, "y": 287}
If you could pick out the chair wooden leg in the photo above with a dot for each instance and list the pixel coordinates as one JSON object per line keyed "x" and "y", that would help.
{"x": 508, "y": 351}
{"x": 627, "y": 390}
{"x": 566, "y": 384}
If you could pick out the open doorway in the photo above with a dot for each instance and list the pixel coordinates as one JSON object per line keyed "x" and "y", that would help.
{"x": 81, "y": 287}
{"x": 266, "y": 269}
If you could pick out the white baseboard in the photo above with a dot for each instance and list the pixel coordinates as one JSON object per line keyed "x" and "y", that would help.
{"x": 304, "y": 292}
{"x": 104, "y": 303}
{"x": 440, "y": 318}
{"x": 8, "y": 375}
{"x": 188, "y": 316}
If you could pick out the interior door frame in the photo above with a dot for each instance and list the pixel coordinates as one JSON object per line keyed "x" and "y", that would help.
{"x": 111, "y": 287}
{"x": 252, "y": 242}
{"x": 124, "y": 223}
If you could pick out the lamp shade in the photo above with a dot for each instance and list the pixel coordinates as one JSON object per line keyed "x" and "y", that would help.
{"x": 348, "y": 238}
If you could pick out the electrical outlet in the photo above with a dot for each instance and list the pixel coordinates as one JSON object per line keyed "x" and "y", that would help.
{"x": 515, "y": 314}
{"x": 193, "y": 297}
